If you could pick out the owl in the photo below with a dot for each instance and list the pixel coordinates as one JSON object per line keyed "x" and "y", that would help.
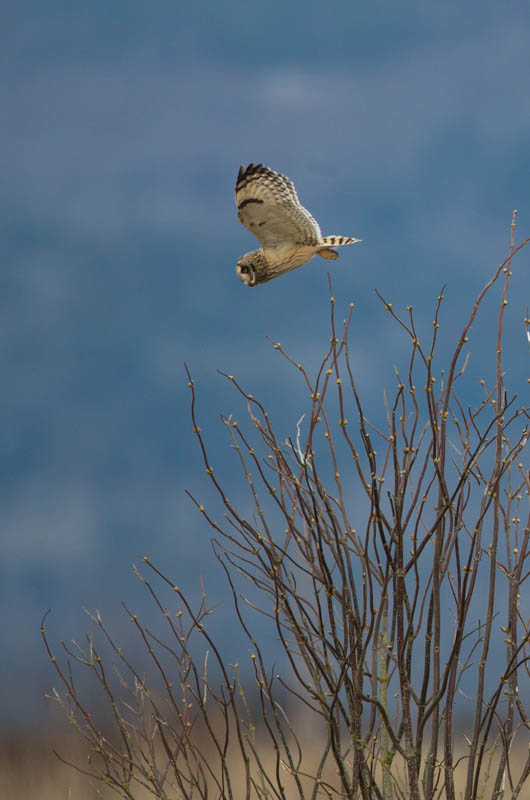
{"x": 268, "y": 206}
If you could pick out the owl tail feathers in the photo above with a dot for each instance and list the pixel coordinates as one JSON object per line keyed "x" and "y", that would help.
{"x": 335, "y": 241}
{"x": 327, "y": 251}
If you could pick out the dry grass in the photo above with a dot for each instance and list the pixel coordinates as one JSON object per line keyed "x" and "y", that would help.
{"x": 30, "y": 771}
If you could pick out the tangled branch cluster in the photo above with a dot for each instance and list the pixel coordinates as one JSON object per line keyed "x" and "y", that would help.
{"x": 391, "y": 560}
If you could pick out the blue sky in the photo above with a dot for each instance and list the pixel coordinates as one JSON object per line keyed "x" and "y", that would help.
{"x": 405, "y": 125}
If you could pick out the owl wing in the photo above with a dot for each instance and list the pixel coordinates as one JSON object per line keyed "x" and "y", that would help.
{"x": 268, "y": 206}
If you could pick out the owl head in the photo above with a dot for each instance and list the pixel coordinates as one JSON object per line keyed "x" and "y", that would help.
{"x": 247, "y": 267}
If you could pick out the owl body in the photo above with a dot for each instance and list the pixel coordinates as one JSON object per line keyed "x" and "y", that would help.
{"x": 255, "y": 267}
{"x": 268, "y": 206}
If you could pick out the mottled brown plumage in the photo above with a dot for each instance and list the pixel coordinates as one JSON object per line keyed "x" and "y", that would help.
{"x": 268, "y": 206}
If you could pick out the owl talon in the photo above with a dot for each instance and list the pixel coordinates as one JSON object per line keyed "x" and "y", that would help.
{"x": 328, "y": 253}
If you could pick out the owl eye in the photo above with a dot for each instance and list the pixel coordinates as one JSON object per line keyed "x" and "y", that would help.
{"x": 244, "y": 270}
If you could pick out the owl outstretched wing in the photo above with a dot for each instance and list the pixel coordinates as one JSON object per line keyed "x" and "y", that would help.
{"x": 268, "y": 206}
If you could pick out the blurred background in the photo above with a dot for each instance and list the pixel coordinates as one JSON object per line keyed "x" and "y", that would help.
{"x": 123, "y": 127}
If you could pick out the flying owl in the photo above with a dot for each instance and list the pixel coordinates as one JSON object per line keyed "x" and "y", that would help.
{"x": 268, "y": 206}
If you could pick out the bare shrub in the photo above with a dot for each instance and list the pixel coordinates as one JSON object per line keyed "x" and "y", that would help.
{"x": 391, "y": 561}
